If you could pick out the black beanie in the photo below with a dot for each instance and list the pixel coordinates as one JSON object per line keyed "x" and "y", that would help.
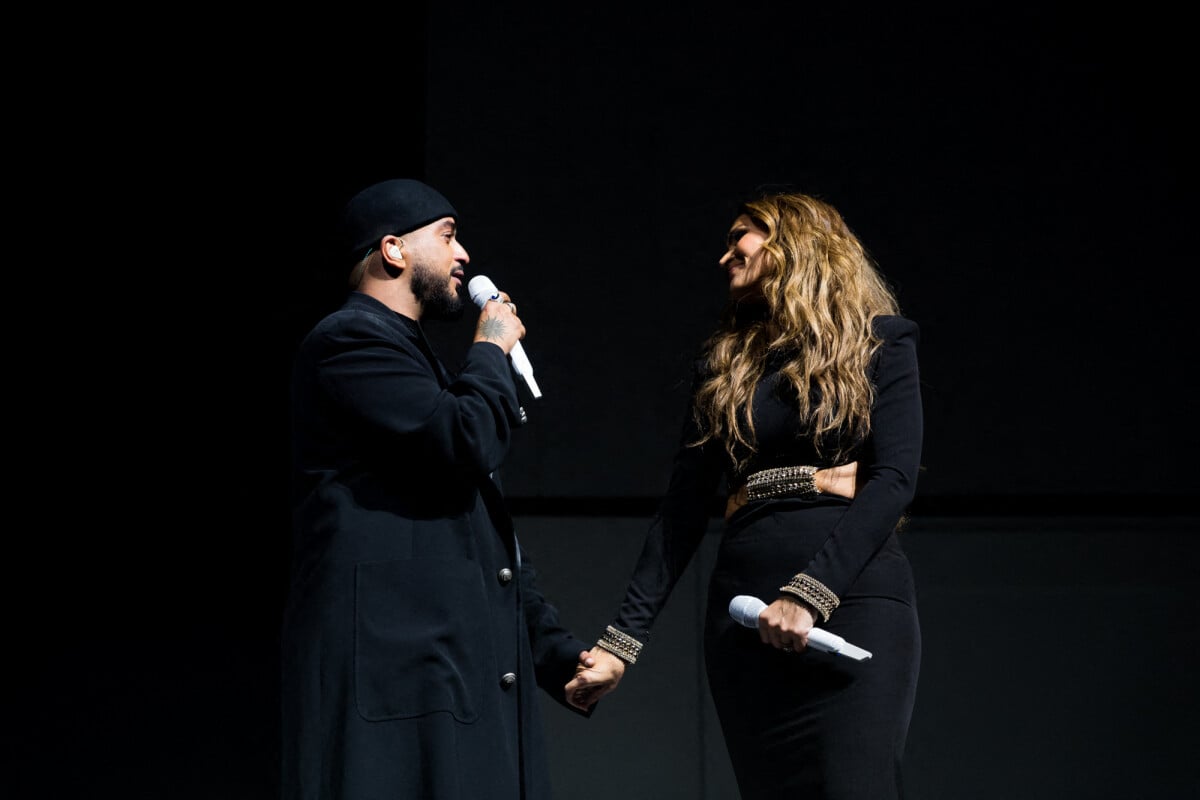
{"x": 394, "y": 207}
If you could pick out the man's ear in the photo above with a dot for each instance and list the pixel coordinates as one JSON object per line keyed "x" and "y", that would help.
{"x": 394, "y": 250}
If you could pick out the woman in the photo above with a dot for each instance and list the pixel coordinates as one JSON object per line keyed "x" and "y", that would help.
{"x": 807, "y": 400}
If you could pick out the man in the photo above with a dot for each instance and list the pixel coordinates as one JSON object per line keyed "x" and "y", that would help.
{"x": 415, "y": 634}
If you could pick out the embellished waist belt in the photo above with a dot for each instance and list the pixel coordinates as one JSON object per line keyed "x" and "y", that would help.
{"x": 782, "y": 482}
{"x": 774, "y": 482}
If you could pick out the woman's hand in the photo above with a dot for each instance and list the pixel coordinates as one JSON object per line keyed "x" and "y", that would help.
{"x": 841, "y": 480}
{"x": 597, "y": 674}
{"x": 785, "y": 624}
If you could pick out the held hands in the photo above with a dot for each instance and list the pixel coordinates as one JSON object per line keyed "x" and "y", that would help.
{"x": 499, "y": 323}
{"x": 597, "y": 674}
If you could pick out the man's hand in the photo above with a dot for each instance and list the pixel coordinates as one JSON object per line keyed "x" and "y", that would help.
{"x": 597, "y": 674}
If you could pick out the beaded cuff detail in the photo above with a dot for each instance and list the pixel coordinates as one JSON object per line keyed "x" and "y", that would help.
{"x": 781, "y": 481}
{"x": 620, "y": 644}
{"x": 813, "y": 592}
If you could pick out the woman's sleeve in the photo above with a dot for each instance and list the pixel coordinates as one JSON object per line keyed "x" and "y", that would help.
{"x": 888, "y": 465}
{"x": 675, "y": 532}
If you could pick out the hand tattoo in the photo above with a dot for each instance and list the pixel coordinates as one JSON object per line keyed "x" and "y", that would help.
{"x": 491, "y": 329}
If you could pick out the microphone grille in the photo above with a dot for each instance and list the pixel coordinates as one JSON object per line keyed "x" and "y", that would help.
{"x": 481, "y": 289}
{"x": 745, "y": 610}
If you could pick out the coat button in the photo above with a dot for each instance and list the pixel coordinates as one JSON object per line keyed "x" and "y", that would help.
{"x": 505, "y": 575}
{"x": 508, "y": 679}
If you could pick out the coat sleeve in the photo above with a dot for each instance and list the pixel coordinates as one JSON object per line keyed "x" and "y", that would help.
{"x": 380, "y": 378}
{"x": 890, "y": 461}
{"x": 555, "y": 650}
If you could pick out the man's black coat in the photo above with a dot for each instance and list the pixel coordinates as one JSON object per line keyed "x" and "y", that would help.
{"x": 414, "y": 635}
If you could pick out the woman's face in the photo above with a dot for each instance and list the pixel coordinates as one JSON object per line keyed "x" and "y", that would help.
{"x": 743, "y": 261}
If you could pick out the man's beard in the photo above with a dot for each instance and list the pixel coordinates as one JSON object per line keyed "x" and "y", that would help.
{"x": 437, "y": 302}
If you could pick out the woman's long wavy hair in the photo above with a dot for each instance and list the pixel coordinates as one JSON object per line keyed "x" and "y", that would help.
{"x": 821, "y": 290}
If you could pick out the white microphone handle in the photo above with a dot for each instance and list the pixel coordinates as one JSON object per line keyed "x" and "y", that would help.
{"x": 482, "y": 290}
{"x": 524, "y": 368}
{"x": 824, "y": 640}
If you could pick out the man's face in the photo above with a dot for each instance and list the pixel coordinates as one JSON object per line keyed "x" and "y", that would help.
{"x": 437, "y": 260}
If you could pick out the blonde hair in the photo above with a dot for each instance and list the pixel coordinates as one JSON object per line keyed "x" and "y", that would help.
{"x": 821, "y": 290}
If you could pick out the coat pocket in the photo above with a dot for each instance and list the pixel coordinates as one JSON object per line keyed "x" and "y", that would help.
{"x": 418, "y": 627}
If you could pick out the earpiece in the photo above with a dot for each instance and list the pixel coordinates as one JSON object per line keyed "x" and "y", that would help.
{"x": 394, "y": 251}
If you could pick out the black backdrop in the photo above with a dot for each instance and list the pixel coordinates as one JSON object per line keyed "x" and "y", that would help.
{"x": 1021, "y": 174}
{"x": 1017, "y": 172}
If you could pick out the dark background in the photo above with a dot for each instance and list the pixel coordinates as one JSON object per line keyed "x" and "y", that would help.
{"x": 1022, "y": 174}
{"x": 1015, "y": 171}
